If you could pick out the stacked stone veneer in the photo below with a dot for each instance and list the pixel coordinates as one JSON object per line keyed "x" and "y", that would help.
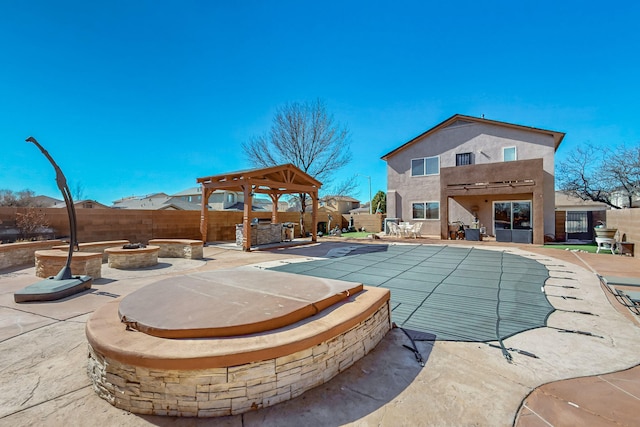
{"x": 132, "y": 258}
{"x": 96, "y": 247}
{"x": 50, "y": 262}
{"x": 18, "y": 254}
{"x": 261, "y": 234}
{"x": 234, "y": 389}
{"x": 178, "y": 248}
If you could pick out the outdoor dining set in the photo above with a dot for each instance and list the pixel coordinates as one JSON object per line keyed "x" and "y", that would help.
{"x": 405, "y": 229}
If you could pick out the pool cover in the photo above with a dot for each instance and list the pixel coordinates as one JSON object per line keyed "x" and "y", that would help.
{"x": 454, "y": 293}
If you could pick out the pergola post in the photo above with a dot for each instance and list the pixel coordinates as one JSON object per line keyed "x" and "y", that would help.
{"x": 314, "y": 216}
{"x": 274, "y": 210}
{"x": 246, "y": 217}
{"x": 204, "y": 214}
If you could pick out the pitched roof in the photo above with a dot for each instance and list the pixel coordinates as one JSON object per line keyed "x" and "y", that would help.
{"x": 154, "y": 202}
{"x": 557, "y": 136}
{"x": 285, "y": 178}
{"x": 339, "y": 199}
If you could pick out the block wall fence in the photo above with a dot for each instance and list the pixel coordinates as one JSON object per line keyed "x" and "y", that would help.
{"x": 96, "y": 225}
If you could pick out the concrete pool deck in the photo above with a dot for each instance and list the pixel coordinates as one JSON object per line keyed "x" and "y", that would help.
{"x": 43, "y": 353}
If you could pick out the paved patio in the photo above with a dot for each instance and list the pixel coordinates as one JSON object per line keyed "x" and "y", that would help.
{"x": 43, "y": 358}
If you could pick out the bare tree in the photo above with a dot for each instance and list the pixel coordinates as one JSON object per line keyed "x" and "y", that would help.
{"x": 307, "y": 136}
{"x": 602, "y": 175}
{"x": 78, "y": 191}
{"x": 17, "y": 199}
{"x": 621, "y": 171}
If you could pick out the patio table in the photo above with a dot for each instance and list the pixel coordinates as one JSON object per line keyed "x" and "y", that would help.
{"x": 405, "y": 228}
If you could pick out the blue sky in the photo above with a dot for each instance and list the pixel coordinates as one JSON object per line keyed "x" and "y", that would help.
{"x": 136, "y": 97}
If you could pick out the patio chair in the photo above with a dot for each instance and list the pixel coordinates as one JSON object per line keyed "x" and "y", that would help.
{"x": 606, "y": 244}
{"x": 394, "y": 230}
{"x": 630, "y": 299}
{"x": 415, "y": 230}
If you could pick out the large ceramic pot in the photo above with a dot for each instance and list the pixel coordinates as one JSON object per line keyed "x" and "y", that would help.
{"x": 605, "y": 232}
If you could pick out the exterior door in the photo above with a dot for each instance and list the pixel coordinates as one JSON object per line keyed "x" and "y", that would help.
{"x": 512, "y": 221}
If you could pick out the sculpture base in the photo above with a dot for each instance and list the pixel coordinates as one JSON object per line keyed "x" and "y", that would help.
{"x": 51, "y": 289}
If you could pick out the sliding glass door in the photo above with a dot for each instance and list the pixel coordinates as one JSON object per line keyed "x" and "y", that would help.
{"x": 512, "y": 221}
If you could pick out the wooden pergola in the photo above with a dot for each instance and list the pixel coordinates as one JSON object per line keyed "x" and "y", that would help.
{"x": 274, "y": 181}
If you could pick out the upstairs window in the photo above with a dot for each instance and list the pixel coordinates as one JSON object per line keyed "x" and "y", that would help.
{"x": 509, "y": 154}
{"x": 425, "y": 166}
{"x": 463, "y": 159}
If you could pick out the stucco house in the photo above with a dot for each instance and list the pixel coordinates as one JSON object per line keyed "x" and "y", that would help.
{"x": 493, "y": 175}
{"x": 339, "y": 204}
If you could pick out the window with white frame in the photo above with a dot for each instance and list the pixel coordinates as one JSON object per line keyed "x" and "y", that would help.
{"x": 509, "y": 154}
{"x": 425, "y": 210}
{"x": 425, "y": 166}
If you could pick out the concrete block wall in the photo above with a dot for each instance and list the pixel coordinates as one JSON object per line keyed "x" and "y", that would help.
{"x": 373, "y": 223}
{"x": 234, "y": 389}
{"x": 627, "y": 221}
{"x": 95, "y": 225}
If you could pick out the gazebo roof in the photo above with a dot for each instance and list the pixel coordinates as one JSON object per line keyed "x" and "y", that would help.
{"x": 281, "y": 179}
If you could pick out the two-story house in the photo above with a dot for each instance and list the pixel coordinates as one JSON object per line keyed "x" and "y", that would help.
{"x": 496, "y": 175}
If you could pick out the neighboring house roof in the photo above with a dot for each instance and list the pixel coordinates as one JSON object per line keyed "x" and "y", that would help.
{"x": 565, "y": 202}
{"x": 239, "y": 206}
{"x": 45, "y": 201}
{"x": 156, "y": 202}
{"x": 192, "y": 191}
{"x": 557, "y": 136}
{"x": 361, "y": 209}
{"x": 50, "y": 202}
{"x": 148, "y": 196}
{"x": 339, "y": 199}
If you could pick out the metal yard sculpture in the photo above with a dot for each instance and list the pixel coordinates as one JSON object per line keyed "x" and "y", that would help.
{"x": 64, "y": 283}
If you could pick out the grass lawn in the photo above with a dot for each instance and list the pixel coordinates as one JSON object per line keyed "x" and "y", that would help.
{"x": 591, "y": 247}
{"x": 357, "y": 234}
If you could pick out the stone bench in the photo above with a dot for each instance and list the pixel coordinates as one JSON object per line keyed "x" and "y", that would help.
{"x": 96, "y": 247}
{"x": 22, "y": 253}
{"x": 179, "y": 248}
{"x": 50, "y": 262}
{"x": 132, "y": 258}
